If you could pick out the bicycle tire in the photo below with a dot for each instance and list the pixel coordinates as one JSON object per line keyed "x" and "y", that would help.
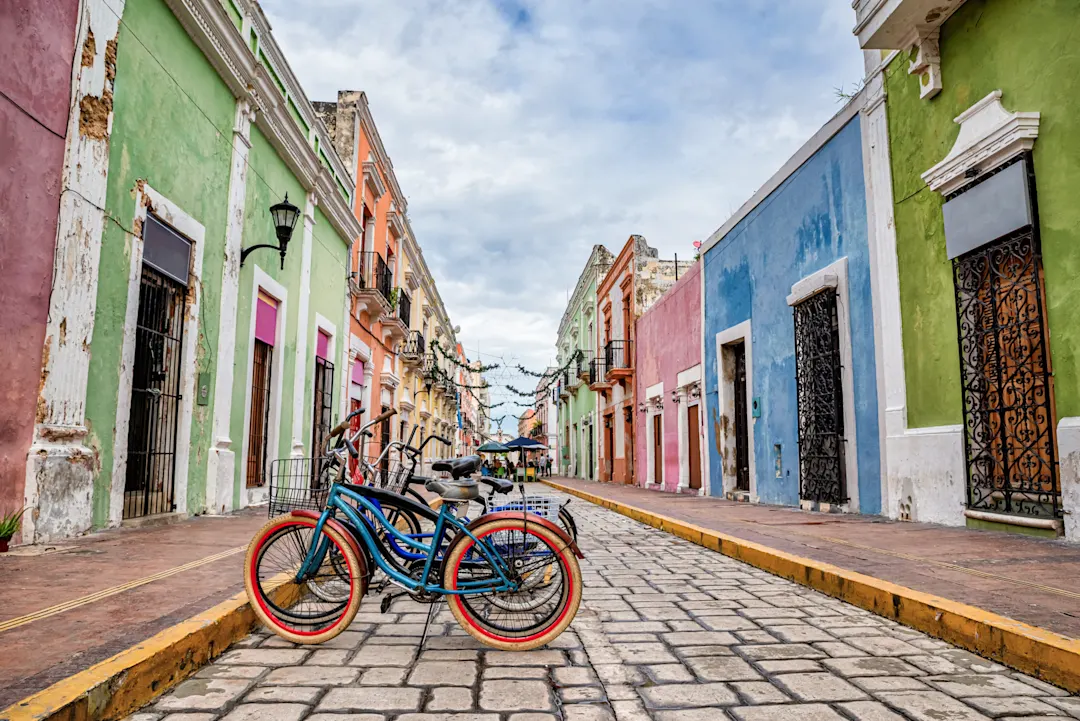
{"x": 302, "y": 621}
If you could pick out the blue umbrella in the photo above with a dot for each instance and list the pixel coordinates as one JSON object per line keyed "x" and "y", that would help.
{"x": 522, "y": 444}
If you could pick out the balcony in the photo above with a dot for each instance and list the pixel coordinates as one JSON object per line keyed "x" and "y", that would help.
{"x": 564, "y": 390}
{"x": 582, "y": 368}
{"x": 404, "y": 307}
{"x": 892, "y": 24}
{"x": 412, "y": 352}
{"x": 598, "y": 375}
{"x": 370, "y": 286}
{"x": 395, "y": 325}
{"x": 619, "y": 359}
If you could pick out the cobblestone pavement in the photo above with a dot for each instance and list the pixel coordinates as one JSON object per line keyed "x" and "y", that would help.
{"x": 667, "y": 631}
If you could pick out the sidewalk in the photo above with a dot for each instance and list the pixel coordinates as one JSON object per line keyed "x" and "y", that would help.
{"x": 65, "y": 609}
{"x": 1033, "y": 580}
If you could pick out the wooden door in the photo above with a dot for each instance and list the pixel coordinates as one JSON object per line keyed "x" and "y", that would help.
{"x": 694, "y": 433}
{"x": 658, "y": 449}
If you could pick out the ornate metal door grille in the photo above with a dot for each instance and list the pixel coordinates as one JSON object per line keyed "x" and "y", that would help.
{"x": 821, "y": 400}
{"x": 155, "y": 396}
{"x": 1006, "y": 379}
{"x": 742, "y": 440}
{"x": 259, "y": 427}
{"x": 324, "y": 397}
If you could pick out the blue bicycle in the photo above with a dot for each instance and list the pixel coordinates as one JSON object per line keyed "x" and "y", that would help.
{"x": 511, "y": 578}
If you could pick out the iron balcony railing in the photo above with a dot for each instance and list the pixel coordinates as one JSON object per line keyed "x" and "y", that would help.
{"x": 584, "y": 357}
{"x": 404, "y": 306}
{"x": 414, "y": 347}
{"x": 375, "y": 274}
{"x": 619, "y": 354}
{"x": 597, "y": 370}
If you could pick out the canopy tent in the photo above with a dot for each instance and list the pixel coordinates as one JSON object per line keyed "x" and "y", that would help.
{"x": 522, "y": 444}
{"x": 493, "y": 447}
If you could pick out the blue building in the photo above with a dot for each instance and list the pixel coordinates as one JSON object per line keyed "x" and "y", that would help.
{"x": 790, "y": 379}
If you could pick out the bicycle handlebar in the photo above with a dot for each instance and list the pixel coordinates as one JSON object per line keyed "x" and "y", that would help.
{"x": 388, "y": 413}
{"x": 344, "y": 425}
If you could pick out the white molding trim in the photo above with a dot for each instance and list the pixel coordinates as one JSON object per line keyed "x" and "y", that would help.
{"x": 261, "y": 280}
{"x": 304, "y": 332}
{"x": 706, "y": 462}
{"x": 689, "y": 376}
{"x": 835, "y": 276}
{"x": 654, "y": 390}
{"x": 373, "y": 180}
{"x": 742, "y": 332}
{"x": 147, "y": 199}
{"x": 221, "y": 459}
{"x": 989, "y": 137}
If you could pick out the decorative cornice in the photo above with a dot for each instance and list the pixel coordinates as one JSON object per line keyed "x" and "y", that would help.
{"x": 989, "y": 137}
{"x": 393, "y": 220}
{"x": 210, "y": 27}
{"x": 373, "y": 179}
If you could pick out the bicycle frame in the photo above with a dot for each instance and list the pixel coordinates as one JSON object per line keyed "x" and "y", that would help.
{"x": 446, "y": 521}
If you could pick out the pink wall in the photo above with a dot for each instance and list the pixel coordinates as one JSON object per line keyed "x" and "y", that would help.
{"x": 38, "y": 37}
{"x": 668, "y": 342}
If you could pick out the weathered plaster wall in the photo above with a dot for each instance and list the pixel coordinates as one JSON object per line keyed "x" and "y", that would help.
{"x": 816, "y": 216}
{"x": 668, "y": 342}
{"x": 39, "y": 49}
{"x": 267, "y": 185}
{"x": 1026, "y": 50}
{"x": 173, "y": 143}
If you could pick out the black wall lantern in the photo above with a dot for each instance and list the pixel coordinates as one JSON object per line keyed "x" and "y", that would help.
{"x": 284, "y": 215}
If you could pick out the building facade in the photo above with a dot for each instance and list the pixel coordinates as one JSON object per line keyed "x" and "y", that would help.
{"x": 972, "y": 137}
{"x": 545, "y": 426}
{"x": 789, "y": 354}
{"x": 34, "y": 122}
{"x": 576, "y": 345}
{"x": 669, "y": 435}
{"x": 177, "y": 367}
{"x": 636, "y": 279}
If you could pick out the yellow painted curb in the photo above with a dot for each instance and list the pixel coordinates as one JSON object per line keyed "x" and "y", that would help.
{"x": 1032, "y": 650}
{"x": 133, "y": 678}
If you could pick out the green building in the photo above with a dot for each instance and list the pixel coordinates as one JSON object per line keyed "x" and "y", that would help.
{"x": 972, "y": 144}
{"x": 178, "y": 368}
{"x": 579, "y": 436}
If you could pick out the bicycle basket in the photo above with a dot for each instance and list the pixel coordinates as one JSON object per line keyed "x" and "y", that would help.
{"x": 543, "y": 506}
{"x": 300, "y": 484}
{"x": 389, "y": 472}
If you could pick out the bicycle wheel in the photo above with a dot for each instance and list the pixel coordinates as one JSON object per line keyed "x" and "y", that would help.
{"x": 275, "y": 556}
{"x": 546, "y": 598}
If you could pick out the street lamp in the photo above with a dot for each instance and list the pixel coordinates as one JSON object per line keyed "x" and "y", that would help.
{"x": 284, "y": 215}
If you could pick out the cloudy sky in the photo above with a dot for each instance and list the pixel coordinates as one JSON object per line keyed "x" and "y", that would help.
{"x": 525, "y": 131}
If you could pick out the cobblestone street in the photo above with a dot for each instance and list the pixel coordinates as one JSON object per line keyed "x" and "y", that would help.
{"x": 667, "y": 630}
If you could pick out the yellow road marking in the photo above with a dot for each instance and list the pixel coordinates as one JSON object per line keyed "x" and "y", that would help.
{"x": 105, "y": 593}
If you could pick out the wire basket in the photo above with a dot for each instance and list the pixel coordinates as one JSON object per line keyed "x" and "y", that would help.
{"x": 389, "y": 472}
{"x": 543, "y": 506}
{"x": 300, "y": 484}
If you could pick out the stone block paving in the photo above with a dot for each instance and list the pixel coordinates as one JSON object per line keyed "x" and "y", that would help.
{"x": 667, "y": 631}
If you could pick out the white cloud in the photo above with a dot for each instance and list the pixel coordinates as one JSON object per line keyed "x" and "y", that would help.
{"x": 524, "y": 132}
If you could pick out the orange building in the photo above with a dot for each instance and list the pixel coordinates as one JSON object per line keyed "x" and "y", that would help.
{"x": 381, "y": 304}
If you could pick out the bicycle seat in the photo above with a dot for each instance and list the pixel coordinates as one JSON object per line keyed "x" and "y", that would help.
{"x": 458, "y": 467}
{"x": 499, "y": 485}
{"x": 454, "y": 490}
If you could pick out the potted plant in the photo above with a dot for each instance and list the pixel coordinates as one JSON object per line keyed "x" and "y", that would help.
{"x": 9, "y": 526}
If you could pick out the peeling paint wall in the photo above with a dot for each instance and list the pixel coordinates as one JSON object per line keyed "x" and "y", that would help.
{"x": 816, "y": 216}
{"x": 39, "y": 50}
{"x": 668, "y": 342}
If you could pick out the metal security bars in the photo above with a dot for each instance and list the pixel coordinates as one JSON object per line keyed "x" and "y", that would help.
{"x": 820, "y": 400}
{"x": 404, "y": 307}
{"x": 1006, "y": 379}
{"x": 619, "y": 354}
{"x": 375, "y": 274}
{"x": 584, "y": 357}
{"x": 259, "y": 426}
{"x": 149, "y": 485}
{"x": 324, "y": 405}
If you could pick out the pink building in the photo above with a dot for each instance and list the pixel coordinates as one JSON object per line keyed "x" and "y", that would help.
{"x": 668, "y": 440}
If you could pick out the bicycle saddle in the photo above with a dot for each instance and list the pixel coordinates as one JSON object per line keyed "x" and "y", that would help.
{"x": 454, "y": 490}
{"x": 458, "y": 467}
{"x": 499, "y": 485}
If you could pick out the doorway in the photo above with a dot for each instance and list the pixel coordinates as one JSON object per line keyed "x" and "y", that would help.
{"x": 658, "y": 449}
{"x": 693, "y": 429}
{"x": 742, "y": 446}
{"x": 149, "y": 485}
{"x": 609, "y": 448}
{"x": 820, "y": 400}
{"x": 323, "y": 402}
{"x": 592, "y": 476}
{"x": 259, "y": 430}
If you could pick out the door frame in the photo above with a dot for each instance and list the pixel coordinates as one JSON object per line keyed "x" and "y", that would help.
{"x": 834, "y": 277}
{"x": 693, "y": 430}
{"x": 741, "y": 333}
{"x": 262, "y": 281}
{"x": 149, "y": 200}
